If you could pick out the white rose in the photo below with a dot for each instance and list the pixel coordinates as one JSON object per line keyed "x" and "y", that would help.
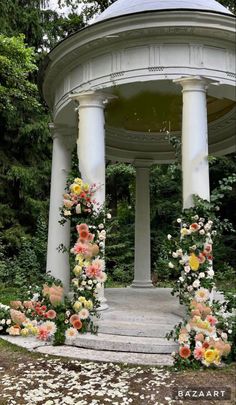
{"x": 170, "y": 265}
{"x": 100, "y": 226}
{"x": 3, "y": 321}
{"x": 90, "y": 282}
{"x": 78, "y": 209}
{"x": 202, "y": 232}
{"x": 224, "y": 335}
{"x": 169, "y": 237}
{"x": 83, "y": 283}
{"x": 230, "y": 331}
{"x": 196, "y": 283}
{"x": 1, "y": 327}
{"x": 181, "y": 279}
{"x": 190, "y": 288}
{"x": 35, "y": 297}
{"x": 9, "y": 322}
{"x": 101, "y": 244}
{"x": 187, "y": 269}
{"x": 108, "y": 216}
{"x": 179, "y": 220}
{"x": 210, "y": 273}
{"x": 195, "y": 217}
{"x": 201, "y": 275}
{"x": 174, "y": 254}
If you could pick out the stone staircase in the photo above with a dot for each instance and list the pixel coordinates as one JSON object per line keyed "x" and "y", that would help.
{"x": 136, "y": 322}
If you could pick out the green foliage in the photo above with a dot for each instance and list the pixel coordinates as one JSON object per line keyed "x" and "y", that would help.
{"x": 28, "y": 267}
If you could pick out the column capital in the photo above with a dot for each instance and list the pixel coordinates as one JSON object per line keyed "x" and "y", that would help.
{"x": 65, "y": 133}
{"x": 143, "y": 163}
{"x": 194, "y": 83}
{"x": 92, "y": 99}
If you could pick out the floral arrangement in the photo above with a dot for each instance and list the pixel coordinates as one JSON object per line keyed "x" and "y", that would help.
{"x": 49, "y": 314}
{"x": 191, "y": 256}
{"x": 5, "y": 318}
{"x": 203, "y": 338}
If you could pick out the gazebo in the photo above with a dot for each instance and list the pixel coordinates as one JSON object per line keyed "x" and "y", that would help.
{"x": 144, "y": 67}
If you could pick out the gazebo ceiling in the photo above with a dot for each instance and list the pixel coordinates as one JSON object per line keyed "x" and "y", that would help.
{"x": 124, "y": 7}
{"x": 155, "y": 107}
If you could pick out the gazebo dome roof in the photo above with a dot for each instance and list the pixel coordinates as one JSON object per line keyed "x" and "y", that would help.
{"x": 126, "y": 7}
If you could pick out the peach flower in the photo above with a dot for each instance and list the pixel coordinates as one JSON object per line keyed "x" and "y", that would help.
{"x": 93, "y": 271}
{"x": 184, "y": 352}
{"x": 17, "y": 316}
{"x": 198, "y": 353}
{"x": 199, "y": 337}
{"x": 16, "y": 304}
{"x": 77, "y": 324}
{"x": 51, "y": 314}
{"x": 74, "y": 318}
{"x": 212, "y": 320}
{"x": 82, "y": 227}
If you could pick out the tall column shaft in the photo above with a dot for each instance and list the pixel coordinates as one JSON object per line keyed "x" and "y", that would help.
{"x": 91, "y": 142}
{"x": 142, "y": 262}
{"x": 91, "y": 149}
{"x": 195, "y": 168}
{"x": 58, "y": 262}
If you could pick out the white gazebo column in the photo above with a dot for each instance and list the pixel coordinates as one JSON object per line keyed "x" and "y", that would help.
{"x": 142, "y": 261}
{"x": 58, "y": 262}
{"x": 91, "y": 149}
{"x": 195, "y": 168}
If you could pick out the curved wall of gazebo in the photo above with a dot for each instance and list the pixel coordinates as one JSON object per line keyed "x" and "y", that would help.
{"x": 128, "y": 71}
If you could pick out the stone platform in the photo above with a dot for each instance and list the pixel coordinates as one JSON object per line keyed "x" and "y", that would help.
{"x": 132, "y": 330}
{"x": 136, "y": 321}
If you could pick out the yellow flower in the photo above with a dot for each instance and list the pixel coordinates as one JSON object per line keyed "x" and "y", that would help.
{"x": 75, "y": 188}
{"x": 24, "y": 332}
{"x": 194, "y": 262}
{"x": 78, "y": 181}
{"x": 79, "y": 258}
{"x": 184, "y": 231}
{"x": 88, "y": 304}
{"x": 77, "y": 270}
{"x": 212, "y": 355}
{"x": 34, "y": 330}
{"x": 86, "y": 186}
{"x": 82, "y": 299}
{"x": 77, "y": 306}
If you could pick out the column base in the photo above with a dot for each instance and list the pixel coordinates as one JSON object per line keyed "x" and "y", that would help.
{"x": 142, "y": 284}
{"x": 103, "y": 305}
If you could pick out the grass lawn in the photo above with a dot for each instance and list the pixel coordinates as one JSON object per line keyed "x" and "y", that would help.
{"x": 8, "y": 293}
{"x": 29, "y": 378}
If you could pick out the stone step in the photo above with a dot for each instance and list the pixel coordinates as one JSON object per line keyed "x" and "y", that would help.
{"x": 124, "y": 328}
{"x": 136, "y": 316}
{"x": 121, "y": 343}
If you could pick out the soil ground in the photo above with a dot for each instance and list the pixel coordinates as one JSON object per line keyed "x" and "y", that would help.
{"x": 29, "y": 378}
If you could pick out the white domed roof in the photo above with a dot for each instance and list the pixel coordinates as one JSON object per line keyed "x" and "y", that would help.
{"x": 124, "y": 7}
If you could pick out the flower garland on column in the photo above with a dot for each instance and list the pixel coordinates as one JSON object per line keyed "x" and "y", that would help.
{"x": 49, "y": 314}
{"x": 204, "y": 337}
